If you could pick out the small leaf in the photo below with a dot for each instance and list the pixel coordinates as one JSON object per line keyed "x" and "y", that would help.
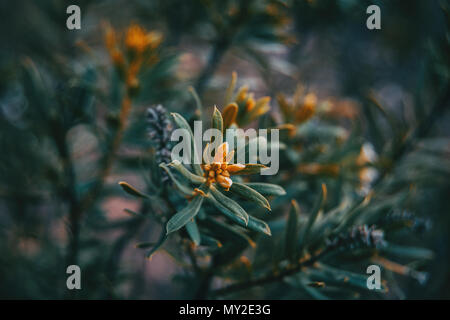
{"x": 341, "y": 278}
{"x": 181, "y": 218}
{"x": 258, "y": 225}
{"x": 229, "y": 114}
{"x": 234, "y": 241}
{"x": 158, "y": 244}
{"x": 292, "y": 232}
{"x": 313, "y": 216}
{"x": 408, "y": 252}
{"x": 253, "y": 223}
{"x": 183, "y": 124}
{"x": 230, "y": 204}
{"x": 131, "y": 212}
{"x": 250, "y": 194}
{"x": 183, "y": 188}
{"x": 210, "y": 242}
{"x": 144, "y": 245}
{"x": 131, "y": 190}
{"x": 251, "y": 168}
{"x": 217, "y": 120}
{"x": 192, "y": 230}
{"x": 230, "y": 88}
{"x": 316, "y": 284}
{"x": 186, "y": 173}
{"x": 267, "y": 189}
{"x": 198, "y": 102}
{"x": 238, "y": 219}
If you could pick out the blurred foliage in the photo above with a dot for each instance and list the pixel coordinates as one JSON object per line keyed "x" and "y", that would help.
{"x": 364, "y": 149}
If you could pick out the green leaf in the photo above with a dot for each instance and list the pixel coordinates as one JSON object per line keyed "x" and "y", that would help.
{"x": 258, "y": 225}
{"x": 192, "y": 230}
{"x": 253, "y": 223}
{"x": 183, "y": 124}
{"x": 131, "y": 212}
{"x": 229, "y": 204}
{"x": 177, "y": 165}
{"x": 234, "y": 242}
{"x": 341, "y": 278}
{"x": 230, "y": 89}
{"x": 158, "y": 244}
{"x": 313, "y": 216}
{"x": 299, "y": 281}
{"x": 209, "y": 241}
{"x": 181, "y": 218}
{"x": 183, "y": 188}
{"x": 290, "y": 243}
{"x": 250, "y": 194}
{"x": 144, "y": 245}
{"x": 198, "y": 102}
{"x": 408, "y": 252}
{"x": 132, "y": 190}
{"x": 251, "y": 168}
{"x": 217, "y": 120}
{"x": 267, "y": 189}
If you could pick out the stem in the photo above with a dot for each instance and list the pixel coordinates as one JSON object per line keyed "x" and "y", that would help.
{"x": 205, "y": 284}
{"x": 108, "y": 160}
{"x": 119, "y": 246}
{"x": 219, "y": 49}
{"x": 421, "y": 131}
{"x": 221, "y": 45}
{"x": 269, "y": 278}
{"x": 68, "y": 192}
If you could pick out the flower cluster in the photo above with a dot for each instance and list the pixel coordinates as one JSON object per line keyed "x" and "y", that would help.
{"x": 219, "y": 170}
{"x": 138, "y": 39}
{"x": 300, "y": 109}
{"x": 130, "y": 53}
{"x": 241, "y": 107}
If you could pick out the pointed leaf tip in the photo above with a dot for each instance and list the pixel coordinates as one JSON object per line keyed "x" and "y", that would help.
{"x": 132, "y": 190}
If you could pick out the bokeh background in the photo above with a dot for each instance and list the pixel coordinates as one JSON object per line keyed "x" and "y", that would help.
{"x": 58, "y": 89}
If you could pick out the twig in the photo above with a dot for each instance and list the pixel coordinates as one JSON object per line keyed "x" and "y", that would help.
{"x": 269, "y": 278}
{"x": 108, "y": 160}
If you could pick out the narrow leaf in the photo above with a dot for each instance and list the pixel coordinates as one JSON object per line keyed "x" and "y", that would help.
{"x": 250, "y": 194}
{"x": 229, "y": 114}
{"x": 313, "y": 216}
{"x": 181, "y": 187}
{"x": 209, "y": 241}
{"x": 132, "y": 190}
{"x": 408, "y": 252}
{"x": 253, "y": 223}
{"x": 158, "y": 244}
{"x": 267, "y": 189}
{"x": 217, "y": 120}
{"x": 230, "y": 89}
{"x": 258, "y": 225}
{"x": 251, "y": 168}
{"x": 193, "y": 232}
{"x": 292, "y": 232}
{"x": 144, "y": 245}
{"x": 198, "y": 102}
{"x": 186, "y": 173}
{"x": 181, "y": 218}
{"x": 230, "y": 204}
{"x": 183, "y": 124}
